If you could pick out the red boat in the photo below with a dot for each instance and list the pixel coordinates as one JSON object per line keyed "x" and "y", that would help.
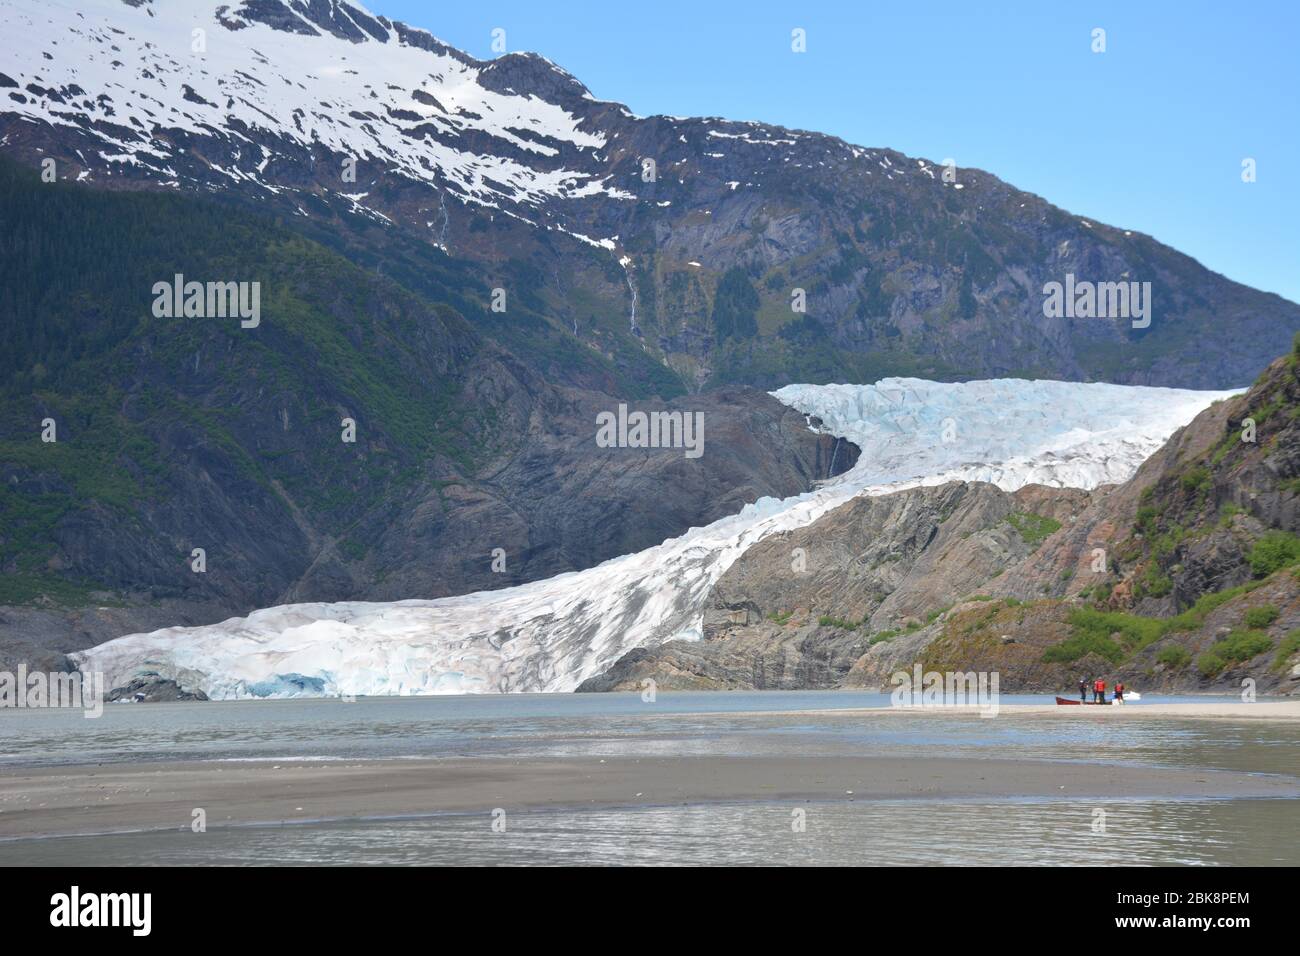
{"x": 1070, "y": 700}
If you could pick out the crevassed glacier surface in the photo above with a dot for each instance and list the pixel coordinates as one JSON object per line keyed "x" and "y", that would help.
{"x": 551, "y": 635}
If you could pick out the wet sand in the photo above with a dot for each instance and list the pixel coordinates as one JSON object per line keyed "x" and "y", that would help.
{"x": 1273, "y": 710}
{"x": 160, "y": 796}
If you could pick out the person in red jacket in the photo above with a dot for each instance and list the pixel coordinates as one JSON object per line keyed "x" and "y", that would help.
{"x": 1119, "y": 691}
{"x": 1099, "y": 691}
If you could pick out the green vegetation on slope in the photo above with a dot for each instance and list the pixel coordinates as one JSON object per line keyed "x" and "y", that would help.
{"x": 1033, "y": 529}
{"x": 735, "y": 306}
{"x": 1117, "y": 635}
{"x": 128, "y": 390}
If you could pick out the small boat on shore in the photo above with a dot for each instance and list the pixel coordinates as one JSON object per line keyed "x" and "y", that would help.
{"x": 1071, "y": 700}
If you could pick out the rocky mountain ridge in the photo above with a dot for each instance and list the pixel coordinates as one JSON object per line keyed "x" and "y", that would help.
{"x": 683, "y": 240}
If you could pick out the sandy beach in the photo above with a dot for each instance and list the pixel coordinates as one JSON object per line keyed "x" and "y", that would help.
{"x": 1273, "y": 710}
{"x": 163, "y": 795}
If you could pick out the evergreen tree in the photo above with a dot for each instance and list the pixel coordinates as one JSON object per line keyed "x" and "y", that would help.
{"x": 735, "y": 306}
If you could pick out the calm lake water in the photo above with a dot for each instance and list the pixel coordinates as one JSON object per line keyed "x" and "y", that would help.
{"x": 701, "y": 724}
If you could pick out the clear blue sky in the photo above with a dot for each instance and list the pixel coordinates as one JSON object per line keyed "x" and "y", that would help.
{"x": 1149, "y": 135}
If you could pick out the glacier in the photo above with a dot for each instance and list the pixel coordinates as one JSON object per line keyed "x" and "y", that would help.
{"x": 550, "y": 635}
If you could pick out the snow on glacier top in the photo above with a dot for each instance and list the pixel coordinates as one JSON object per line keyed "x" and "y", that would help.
{"x": 551, "y": 635}
{"x": 363, "y": 99}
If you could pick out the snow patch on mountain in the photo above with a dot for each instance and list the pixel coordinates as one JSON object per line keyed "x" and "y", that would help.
{"x": 130, "y": 74}
{"x": 551, "y": 635}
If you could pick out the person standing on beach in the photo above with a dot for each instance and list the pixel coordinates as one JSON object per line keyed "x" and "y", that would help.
{"x": 1099, "y": 691}
{"x": 1119, "y": 692}
{"x": 1083, "y": 690}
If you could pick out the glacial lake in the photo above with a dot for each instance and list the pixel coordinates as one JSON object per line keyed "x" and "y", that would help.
{"x": 806, "y": 723}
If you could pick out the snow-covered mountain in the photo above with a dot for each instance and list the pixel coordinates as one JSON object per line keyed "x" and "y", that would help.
{"x": 274, "y": 83}
{"x": 551, "y": 635}
{"x": 646, "y": 259}
{"x": 322, "y": 111}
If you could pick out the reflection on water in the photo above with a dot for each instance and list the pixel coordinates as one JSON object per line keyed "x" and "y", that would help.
{"x": 1236, "y": 832}
{"x": 698, "y": 724}
{"x": 736, "y": 724}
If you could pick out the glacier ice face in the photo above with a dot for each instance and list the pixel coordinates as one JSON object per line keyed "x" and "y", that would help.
{"x": 551, "y": 635}
{"x": 1009, "y": 432}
